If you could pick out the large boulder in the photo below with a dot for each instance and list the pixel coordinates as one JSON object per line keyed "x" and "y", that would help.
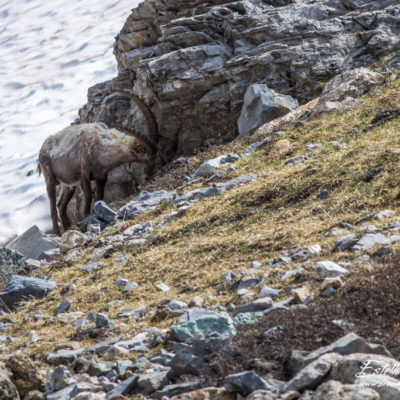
{"x": 262, "y": 105}
{"x": 21, "y": 288}
{"x": 348, "y": 84}
{"x": 32, "y": 243}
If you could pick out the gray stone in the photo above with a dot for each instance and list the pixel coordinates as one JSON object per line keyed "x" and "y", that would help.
{"x": 345, "y": 242}
{"x": 293, "y": 274}
{"x": 163, "y": 358}
{"x": 255, "y": 264}
{"x": 8, "y": 391}
{"x": 162, "y": 287}
{"x": 130, "y": 286}
{"x": 63, "y": 356}
{"x": 142, "y": 342}
{"x": 358, "y": 366}
{"x": 145, "y": 201}
{"x": 247, "y": 283}
{"x": 176, "y": 307}
{"x": 84, "y": 224}
{"x": 123, "y": 388}
{"x": 185, "y": 361}
{"x": 248, "y": 318}
{"x": 370, "y": 240}
{"x": 324, "y": 194}
{"x": 348, "y": 344}
{"x": 137, "y": 312}
{"x": 21, "y": 288}
{"x": 296, "y": 160}
{"x": 245, "y": 383}
{"x": 81, "y": 387}
{"x": 262, "y": 105}
{"x": 257, "y": 305}
{"x": 329, "y": 291}
{"x": 121, "y": 281}
{"x": 328, "y": 269}
{"x": 334, "y": 390}
{"x": 11, "y": 262}
{"x": 102, "y": 321}
{"x": 208, "y": 167}
{"x": 175, "y": 389}
{"x": 351, "y": 83}
{"x": 61, "y": 378}
{"x": 313, "y": 374}
{"x": 99, "y": 368}
{"x": 103, "y": 212}
{"x": 91, "y": 266}
{"x": 150, "y": 382}
{"x": 384, "y": 214}
{"x": 71, "y": 239}
{"x": 386, "y": 386}
{"x": 100, "y": 252}
{"x": 63, "y": 307}
{"x": 32, "y": 243}
{"x": 267, "y": 291}
{"x": 383, "y": 251}
{"x": 199, "y": 324}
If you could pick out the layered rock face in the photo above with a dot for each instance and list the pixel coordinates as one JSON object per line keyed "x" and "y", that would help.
{"x": 192, "y": 61}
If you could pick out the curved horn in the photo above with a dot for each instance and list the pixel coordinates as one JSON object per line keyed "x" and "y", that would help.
{"x": 149, "y": 116}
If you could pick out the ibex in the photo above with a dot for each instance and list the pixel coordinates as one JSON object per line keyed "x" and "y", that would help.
{"x": 81, "y": 153}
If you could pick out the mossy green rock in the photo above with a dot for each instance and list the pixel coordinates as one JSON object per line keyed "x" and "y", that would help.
{"x": 204, "y": 325}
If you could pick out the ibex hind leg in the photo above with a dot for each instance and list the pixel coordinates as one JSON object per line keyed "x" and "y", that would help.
{"x": 51, "y": 183}
{"x": 66, "y": 196}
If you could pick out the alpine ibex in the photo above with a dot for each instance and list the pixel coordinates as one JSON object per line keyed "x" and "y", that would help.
{"x": 81, "y": 153}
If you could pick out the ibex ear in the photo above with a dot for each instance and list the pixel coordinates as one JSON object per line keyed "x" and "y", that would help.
{"x": 139, "y": 149}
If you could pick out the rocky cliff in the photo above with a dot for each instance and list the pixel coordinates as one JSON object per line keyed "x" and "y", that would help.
{"x": 192, "y": 61}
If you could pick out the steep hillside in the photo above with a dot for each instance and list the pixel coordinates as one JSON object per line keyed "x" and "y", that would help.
{"x": 316, "y": 199}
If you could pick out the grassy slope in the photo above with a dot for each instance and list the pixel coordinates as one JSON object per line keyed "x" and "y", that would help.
{"x": 248, "y": 223}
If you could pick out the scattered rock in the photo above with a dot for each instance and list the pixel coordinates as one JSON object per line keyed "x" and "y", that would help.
{"x": 21, "y": 288}
{"x": 8, "y": 391}
{"x": 246, "y": 383}
{"x": 102, "y": 321}
{"x": 328, "y": 269}
{"x": 313, "y": 374}
{"x": 71, "y": 239}
{"x": 262, "y": 105}
{"x": 267, "y": 291}
{"x": 25, "y": 376}
{"x": 61, "y": 378}
{"x": 323, "y": 195}
{"x": 350, "y": 83}
{"x": 199, "y": 323}
{"x": 162, "y": 287}
{"x": 257, "y": 305}
{"x": 103, "y": 212}
{"x": 145, "y": 201}
{"x": 32, "y": 243}
{"x": 334, "y": 390}
{"x": 346, "y": 242}
{"x": 11, "y": 261}
{"x": 370, "y": 240}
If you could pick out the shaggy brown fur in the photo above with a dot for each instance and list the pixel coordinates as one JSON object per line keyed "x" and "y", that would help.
{"x": 81, "y": 153}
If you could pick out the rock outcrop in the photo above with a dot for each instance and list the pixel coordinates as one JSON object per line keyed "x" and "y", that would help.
{"x": 193, "y": 61}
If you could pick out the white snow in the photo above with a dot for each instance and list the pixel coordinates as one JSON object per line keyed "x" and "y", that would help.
{"x": 51, "y": 53}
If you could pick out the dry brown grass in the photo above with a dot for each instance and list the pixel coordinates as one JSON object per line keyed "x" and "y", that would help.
{"x": 277, "y": 211}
